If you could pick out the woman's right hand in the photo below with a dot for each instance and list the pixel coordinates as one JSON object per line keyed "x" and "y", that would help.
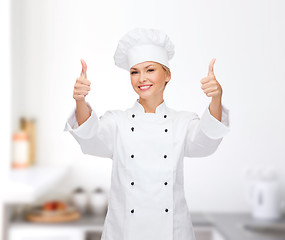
{"x": 82, "y": 85}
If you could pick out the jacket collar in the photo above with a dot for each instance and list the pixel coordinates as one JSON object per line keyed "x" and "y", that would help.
{"x": 160, "y": 109}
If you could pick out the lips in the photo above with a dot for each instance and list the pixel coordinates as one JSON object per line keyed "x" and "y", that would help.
{"x": 145, "y": 87}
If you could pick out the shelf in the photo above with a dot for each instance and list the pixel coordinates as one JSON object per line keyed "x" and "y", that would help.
{"x": 87, "y": 222}
{"x": 29, "y": 184}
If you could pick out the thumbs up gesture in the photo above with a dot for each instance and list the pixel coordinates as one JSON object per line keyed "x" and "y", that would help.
{"x": 210, "y": 85}
{"x": 82, "y": 85}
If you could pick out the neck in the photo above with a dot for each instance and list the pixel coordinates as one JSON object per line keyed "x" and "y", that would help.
{"x": 150, "y": 105}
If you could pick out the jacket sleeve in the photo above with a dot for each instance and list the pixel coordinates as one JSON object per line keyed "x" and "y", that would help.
{"x": 204, "y": 135}
{"x": 95, "y": 136}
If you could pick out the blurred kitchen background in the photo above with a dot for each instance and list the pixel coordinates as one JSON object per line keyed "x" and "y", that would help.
{"x": 50, "y": 188}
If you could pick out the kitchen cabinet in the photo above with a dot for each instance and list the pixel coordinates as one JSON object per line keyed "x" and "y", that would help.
{"x": 88, "y": 227}
{"x": 67, "y": 233}
{"x": 45, "y": 233}
{"x": 207, "y": 226}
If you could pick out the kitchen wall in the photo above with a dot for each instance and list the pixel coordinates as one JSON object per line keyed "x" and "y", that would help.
{"x": 245, "y": 37}
{"x": 5, "y": 103}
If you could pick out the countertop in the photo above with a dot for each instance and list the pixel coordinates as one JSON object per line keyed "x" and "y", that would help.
{"x": 230, "y": 225}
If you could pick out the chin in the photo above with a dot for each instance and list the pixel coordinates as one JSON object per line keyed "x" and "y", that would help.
{"x": 143, "y": 95}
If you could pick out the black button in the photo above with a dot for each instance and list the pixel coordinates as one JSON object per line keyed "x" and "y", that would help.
{"x": 132, "y": 183}
{"x": 133, "y": 115}
{"x": 132, "y": 156}
{"x": 165, "y": 116}
{"x": 166, "y": 210}
{"x": 132, "y": 128}
{"x": 132, "y": 211}
{"x": 165, "y": 130}
{"x": 165, "y": 183}
{"x": 165, "y": 156}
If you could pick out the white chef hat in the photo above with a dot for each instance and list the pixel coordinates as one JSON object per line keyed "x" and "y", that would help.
{"x": 142, "y": 44}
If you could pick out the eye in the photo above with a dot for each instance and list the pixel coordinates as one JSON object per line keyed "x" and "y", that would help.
{"x": 147, "y": 70}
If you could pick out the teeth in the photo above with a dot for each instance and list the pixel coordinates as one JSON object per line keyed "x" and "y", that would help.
{"x": 145, "y": 87}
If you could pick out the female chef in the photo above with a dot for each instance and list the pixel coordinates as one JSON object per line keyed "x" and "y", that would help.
{"x": 148, "y": 141}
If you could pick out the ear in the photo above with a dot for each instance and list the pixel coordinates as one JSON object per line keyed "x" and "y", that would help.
{"x": 168, "y": 76}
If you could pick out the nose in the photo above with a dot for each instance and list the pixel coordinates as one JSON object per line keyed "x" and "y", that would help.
{"x": 142, "y": 78}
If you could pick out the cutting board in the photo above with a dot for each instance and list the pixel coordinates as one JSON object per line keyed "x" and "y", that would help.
{"x": 67, "y": 215}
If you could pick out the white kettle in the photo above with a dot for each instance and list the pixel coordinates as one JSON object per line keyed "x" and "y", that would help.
{"x": 264, "y": 195}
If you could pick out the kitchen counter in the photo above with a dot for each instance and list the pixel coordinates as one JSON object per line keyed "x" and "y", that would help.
{"x": 230, "y": 225}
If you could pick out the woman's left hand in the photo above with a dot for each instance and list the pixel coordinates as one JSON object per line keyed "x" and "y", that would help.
{"x": 210, "y": 85}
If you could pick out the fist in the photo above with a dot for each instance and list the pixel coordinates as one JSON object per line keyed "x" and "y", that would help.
{"x": 210, "y": 85}
{"x": 82, "y": 85}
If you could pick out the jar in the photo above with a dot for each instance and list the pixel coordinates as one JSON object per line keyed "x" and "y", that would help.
{"x": 29, "y": 126}
{"x": 98, "y": 202}
{"x": 80, "y": 199}
{"x": 20, "y": 148}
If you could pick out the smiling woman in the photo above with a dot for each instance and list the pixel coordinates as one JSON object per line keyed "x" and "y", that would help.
{"x": 147, "y": 144}
{"x": 149, "y": 80}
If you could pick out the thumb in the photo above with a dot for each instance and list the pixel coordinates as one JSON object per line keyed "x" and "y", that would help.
{"x": 84, "y": 68}
{"x": 211, "y": 67}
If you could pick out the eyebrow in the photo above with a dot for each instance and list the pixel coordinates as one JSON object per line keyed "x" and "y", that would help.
{"x": 145, "y": 67}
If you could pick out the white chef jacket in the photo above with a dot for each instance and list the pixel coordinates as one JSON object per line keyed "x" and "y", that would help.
{"x": 146, "y": 199}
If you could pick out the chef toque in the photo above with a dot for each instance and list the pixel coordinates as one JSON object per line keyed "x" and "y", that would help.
{"x": 142, "y": 44}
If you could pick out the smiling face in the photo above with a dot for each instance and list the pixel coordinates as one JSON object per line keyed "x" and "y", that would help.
{"x": 148, "y": 79}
